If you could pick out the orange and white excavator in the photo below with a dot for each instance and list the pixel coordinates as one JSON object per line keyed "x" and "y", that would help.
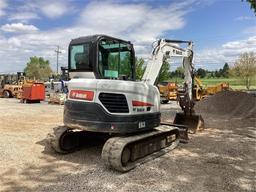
{"x": 104, "y": 97}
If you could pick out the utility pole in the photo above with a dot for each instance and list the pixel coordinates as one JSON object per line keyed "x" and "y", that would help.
{"x": 58, "y": 52}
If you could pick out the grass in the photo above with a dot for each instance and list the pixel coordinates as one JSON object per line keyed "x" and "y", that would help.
{"x": 234, "y": 83}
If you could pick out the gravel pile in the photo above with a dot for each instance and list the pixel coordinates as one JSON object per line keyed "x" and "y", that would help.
{"x": 232, "y": 103}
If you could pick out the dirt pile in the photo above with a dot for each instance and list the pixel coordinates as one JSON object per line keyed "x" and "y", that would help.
{"x": 232, "y": 103}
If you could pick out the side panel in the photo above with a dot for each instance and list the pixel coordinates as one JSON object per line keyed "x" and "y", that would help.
{"x": 141, "y": 97}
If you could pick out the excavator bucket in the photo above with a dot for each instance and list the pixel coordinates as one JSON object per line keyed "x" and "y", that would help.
{"x": 193, "y": 122}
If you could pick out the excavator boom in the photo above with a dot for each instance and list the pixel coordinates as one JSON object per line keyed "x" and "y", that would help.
{"x": 169, "y": 48}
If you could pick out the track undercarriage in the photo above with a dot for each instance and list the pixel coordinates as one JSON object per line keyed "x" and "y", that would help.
{"x": 121, "y": 153}
{"x": 125, "y": 152}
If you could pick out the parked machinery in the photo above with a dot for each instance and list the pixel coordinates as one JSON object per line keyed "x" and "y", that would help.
{"x": 11, "y": 84}
{"x": 200, "y": 91}
{"x": 211, "y": 90}
{"x": 168, "y": 91}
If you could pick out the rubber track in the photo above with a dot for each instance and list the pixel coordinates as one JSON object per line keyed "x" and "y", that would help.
{"x": 113, "y": 148}
{"x": 54, "y": 138}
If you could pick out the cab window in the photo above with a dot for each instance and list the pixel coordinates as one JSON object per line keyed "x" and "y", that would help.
{"x": 115, "y": 59}
{"x": 79, "y": 57}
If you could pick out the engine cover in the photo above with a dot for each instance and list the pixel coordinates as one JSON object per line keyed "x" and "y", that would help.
{"x": 112, "y": 106}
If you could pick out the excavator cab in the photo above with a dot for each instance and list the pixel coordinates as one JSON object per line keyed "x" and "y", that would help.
{"x": 101, "y": 57}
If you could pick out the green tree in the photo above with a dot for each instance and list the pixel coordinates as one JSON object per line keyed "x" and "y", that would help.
{"x": 245, "y": 68}
{"x": 253, "y": 5}
{"x": 210, "y": 74}
{"x": 140, "y": 68}
{"x": 201, "y": 72}
{"x": 179, "y": 72}
{"x": 225, "y": 70}
{"x": 38, "y": 68}
{"x": 217, "y": 73}
{"x": 164, "y": 72}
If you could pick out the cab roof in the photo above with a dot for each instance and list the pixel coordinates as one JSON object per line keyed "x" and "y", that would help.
{"x": 94, "y": 38}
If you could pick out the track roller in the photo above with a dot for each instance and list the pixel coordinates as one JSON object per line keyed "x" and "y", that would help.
{"x": 125, "y": 153}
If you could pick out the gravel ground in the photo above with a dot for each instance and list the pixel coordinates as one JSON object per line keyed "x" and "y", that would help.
{"x": 221, "y": 158}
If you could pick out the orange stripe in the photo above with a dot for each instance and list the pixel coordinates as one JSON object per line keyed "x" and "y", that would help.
{"x": 141, "y": 104}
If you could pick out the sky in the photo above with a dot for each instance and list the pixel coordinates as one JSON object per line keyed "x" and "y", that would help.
{"x": 220, "y": 29}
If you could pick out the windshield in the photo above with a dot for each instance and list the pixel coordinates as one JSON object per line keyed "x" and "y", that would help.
{"x": 79, "y": 56}
{"x": 115, "y": 59}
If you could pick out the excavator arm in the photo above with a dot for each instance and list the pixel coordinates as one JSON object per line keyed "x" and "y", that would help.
{"x": 169, "y": 48}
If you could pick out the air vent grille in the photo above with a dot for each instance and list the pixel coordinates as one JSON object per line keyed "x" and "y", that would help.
{"x": 114, "y": 103}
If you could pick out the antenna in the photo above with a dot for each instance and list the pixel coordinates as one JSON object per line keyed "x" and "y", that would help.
{"x": 57, "y": 52}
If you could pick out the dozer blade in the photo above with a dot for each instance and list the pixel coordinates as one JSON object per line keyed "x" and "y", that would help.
{"x": 193, "y": 122}
{"x": 183, "y": 131}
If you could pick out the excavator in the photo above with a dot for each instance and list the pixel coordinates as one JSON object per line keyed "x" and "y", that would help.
{"x": 104, "y": 97}
{"x": 201, "y": 91}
